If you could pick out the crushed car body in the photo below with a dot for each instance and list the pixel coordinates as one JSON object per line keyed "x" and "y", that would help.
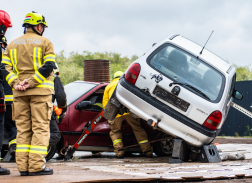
{"x": 185, "y": 93}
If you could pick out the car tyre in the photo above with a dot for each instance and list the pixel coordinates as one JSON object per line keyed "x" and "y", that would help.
{"x": 110, "y": 111}
{"x": 194, "y": 156}
{"x": 51, "y": 150}
{"x": 164, "y": 147}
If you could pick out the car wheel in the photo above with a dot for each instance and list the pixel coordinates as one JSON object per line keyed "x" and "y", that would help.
{"x": 51, "y": 150}
{"x": 194, "y": 156}
{"x": 164, "y": 147}
{"x": 110, "y": 111}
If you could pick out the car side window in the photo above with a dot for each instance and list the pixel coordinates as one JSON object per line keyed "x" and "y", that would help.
{"x": 96, "y": 100}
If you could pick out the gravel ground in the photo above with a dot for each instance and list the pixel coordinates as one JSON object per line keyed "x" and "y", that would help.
{"x": 74, "y": 173}
{"x": 232, "y": 140}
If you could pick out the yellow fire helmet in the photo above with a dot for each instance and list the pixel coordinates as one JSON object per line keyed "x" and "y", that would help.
{"x": 33, "y": 18}
{"x": 118, "y": 74}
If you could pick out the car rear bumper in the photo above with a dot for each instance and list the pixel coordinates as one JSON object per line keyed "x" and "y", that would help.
{"x": 147, "y": 107}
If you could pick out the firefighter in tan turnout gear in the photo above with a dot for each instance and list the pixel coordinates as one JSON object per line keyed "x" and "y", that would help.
{"x": 29, "y": 61}
{"x": 116, "y": 124}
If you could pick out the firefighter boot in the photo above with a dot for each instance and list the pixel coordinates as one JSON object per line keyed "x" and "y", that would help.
{"x": 46, "y": 171}
{"x": 119, "y": 154}
{"x": 24, "y": 173}
{"x": 4, "y": 171}
{"x": 149, "y": 154}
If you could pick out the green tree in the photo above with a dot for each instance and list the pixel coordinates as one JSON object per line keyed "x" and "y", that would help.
{"x": 71, "y": 67}
{"x": 243, "y": 73}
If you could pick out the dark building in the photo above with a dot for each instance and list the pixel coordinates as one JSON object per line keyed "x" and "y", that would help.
{"x": 237, "y": 121}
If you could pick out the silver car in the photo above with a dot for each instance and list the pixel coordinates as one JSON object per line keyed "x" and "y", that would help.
{"x": 179, "y": 88}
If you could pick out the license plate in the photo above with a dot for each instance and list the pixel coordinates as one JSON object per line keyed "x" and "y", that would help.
{"x": 170, "y": 98}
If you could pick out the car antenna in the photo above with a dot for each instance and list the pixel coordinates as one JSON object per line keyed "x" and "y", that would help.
{"x": 205, "y": 45}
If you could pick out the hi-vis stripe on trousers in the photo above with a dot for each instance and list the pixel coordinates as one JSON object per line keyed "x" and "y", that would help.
{"x": 32, "y": 130}
{"x": 116, "y": 133}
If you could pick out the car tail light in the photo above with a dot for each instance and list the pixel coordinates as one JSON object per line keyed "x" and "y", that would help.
{"x": 213, "y": 121}
{"x": 132, "y": 73}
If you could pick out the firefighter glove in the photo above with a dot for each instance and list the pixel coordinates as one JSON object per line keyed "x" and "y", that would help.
{"x": 62, "y": 116}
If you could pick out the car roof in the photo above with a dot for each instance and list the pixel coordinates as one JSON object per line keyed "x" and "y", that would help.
{"x": 206, "y": 55}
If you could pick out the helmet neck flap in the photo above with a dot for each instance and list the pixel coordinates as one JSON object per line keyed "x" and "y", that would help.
{"x": 32, "y": 19}
{"x": 27, "y": 26}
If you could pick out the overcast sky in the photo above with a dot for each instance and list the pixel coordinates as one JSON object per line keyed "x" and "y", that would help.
{"x": 131, "y": 26}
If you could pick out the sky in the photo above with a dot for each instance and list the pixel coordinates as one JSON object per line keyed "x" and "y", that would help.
{"x": 130, "y": 27}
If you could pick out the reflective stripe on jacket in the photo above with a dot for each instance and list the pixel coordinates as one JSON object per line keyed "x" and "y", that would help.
{"x": 31, "y": 57}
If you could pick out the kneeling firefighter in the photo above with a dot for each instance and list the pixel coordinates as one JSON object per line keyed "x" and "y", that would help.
{"x": 116, "y": 124}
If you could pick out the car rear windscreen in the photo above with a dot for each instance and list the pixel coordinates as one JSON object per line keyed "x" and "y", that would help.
{"x": 77, "y": 89}
{"x": 182, "y": 67}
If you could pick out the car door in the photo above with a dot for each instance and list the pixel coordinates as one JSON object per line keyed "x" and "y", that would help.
{"x": 79, "y": 118}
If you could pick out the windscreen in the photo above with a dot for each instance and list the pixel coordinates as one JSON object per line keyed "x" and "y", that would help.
{"x": 185, "y": 68}
{"x": 76, "y": 89}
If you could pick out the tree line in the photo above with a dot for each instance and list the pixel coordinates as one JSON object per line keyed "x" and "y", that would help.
{"x": 71, "y": 66}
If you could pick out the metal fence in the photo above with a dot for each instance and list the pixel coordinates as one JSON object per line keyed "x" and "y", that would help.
{"x": 238, "y": 123}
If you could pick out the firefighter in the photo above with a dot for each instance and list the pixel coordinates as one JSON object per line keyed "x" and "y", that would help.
{"x": 29, "y": 61}
{"x": 60, "y": 111}
{"x": 9, "y": 124}
{"x": 116, "y": 124}
{"x": 5, "y": 23}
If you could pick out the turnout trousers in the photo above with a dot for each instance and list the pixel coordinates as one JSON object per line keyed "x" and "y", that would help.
{"x": 32, "y": 114}
{"x": 10, "y": 125}
{"x": 139, "y": 132}
{"x": 55, "y": 134}
{"x": 1, "y": 130}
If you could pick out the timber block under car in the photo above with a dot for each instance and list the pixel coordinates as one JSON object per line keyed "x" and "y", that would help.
{"x": 209, "y": 154}
{"x": 180, "y": 152}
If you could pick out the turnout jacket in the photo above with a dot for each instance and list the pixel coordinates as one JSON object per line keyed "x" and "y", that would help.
{"x": 8, "y": 96}
{"x": 31, "y": 57}
{"x": 1, "y": 76}
{"x": 7, "y": 89}
{"x": 108, "y": 93}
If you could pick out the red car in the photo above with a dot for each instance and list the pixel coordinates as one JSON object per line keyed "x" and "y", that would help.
{"x": 99, "y": 140}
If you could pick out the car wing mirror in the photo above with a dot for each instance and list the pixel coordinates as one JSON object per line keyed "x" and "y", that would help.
{"x": 237, "y": 95}
{"x": 83, "y": 105}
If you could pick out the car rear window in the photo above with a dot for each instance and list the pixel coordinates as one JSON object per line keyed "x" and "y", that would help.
{"x": 76, "y": 89}
{"x": 182, "y": 67}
